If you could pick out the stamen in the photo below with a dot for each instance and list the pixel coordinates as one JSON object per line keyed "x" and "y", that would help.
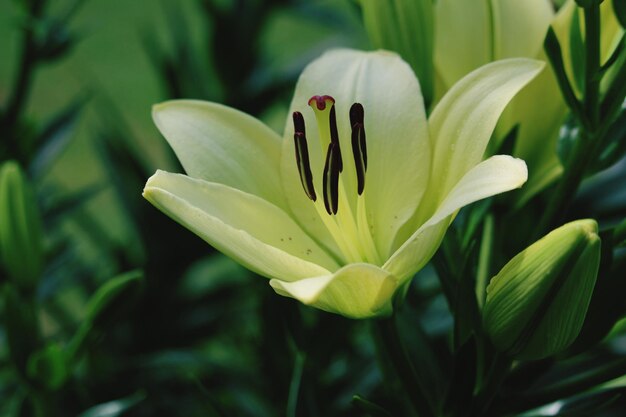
{"x": 359, "y": 147}
{"x": 331, "y": 179}
{"x": 334, "y": 134}
{"x": 302, "y": 156}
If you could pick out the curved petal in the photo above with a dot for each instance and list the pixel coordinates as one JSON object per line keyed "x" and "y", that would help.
{"x": 355, "y": 291}
{"x": 223, "y": 145}
{"x": 254, "y": 232}
{"x": 397, "y": 138}
{"x": 463, "y": 121}
{"x": 493, "y": 176}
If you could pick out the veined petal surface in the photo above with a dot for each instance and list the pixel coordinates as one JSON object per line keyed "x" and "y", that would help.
{"x": 397, "y": 138}
{"x": 493, "y": 176}
{"x": 254, "y": 232}
{"x": 355, "y": 291}
{"x": 223, "y": 145}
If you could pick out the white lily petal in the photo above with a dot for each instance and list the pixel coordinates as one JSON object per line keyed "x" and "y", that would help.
{"x": 460, "y": 47}
{"x": 355, "y": 291}
{"x": 254, "y": 232}
{"x": 397, "y": 138}
{"x": 463, "y": 121}
{"x": 493, "y": 176}
{"x": 223, "y": 145}
{"x": 519, "y": 27}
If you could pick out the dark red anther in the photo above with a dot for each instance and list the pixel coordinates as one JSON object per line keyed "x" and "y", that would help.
{"x": 357, "y": 114}
{"x": 359, "y": 146}
{"x": 334, "y": 134}
{"x": 298, "y": 122}
{"x": 302, "y": 156}
{"x": 331, "y": 179}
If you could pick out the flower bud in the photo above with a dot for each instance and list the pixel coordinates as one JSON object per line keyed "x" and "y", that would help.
{"x": 537, "y": 303}
{"x": 21, "y": 236}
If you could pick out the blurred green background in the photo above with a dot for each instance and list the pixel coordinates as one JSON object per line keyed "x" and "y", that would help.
{"x": 186, "y": 332}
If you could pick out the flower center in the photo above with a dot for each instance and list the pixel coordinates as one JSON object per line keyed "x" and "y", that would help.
{"x": 349, "y": 227}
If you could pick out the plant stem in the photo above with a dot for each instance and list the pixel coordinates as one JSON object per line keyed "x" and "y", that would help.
{"x": 498, "y": 371}
{"x": 586, "y": 146}
{"x": 393, "y": 350}
{"x": 483, "y": 272}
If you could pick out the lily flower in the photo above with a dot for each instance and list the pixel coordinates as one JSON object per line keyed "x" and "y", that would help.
{"x": 342, "y": 211}
{"x": 471, "y": 33}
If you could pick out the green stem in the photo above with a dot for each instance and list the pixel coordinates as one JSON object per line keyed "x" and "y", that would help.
{"x": 498, "y": 372}
{"x": 589, "y": 122}
{"x": 565, "y": 189}
{"x": 392, "y": 349}
{"x": 572, "y": 386}
{"x": 484, "y": 260}
{"x": 294, "y": 386}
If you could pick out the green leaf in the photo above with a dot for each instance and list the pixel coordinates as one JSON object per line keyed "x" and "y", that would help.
{"x": 65, "y": 206}
{"x": 22, "y": 327}
{"x": 614, "y": 98}
{"x": 552, "y": 48}
{"x": 55, "y": 137}
{"x": 108, "y": 303}
{"x": 588, "y": 3}
{"x": 614, "y": 146}
{"x": 114, "y": 408}
{"x": 619, "y": 7}
{"x": 406, "y": 27}
{"x": 463, "y": 381}
{"x": 372, "y": 409}
{"x": 49, "y": 367}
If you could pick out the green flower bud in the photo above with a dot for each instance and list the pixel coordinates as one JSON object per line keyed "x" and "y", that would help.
{"x": 537, "y": 303}
{"x": 21, "y": 234}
